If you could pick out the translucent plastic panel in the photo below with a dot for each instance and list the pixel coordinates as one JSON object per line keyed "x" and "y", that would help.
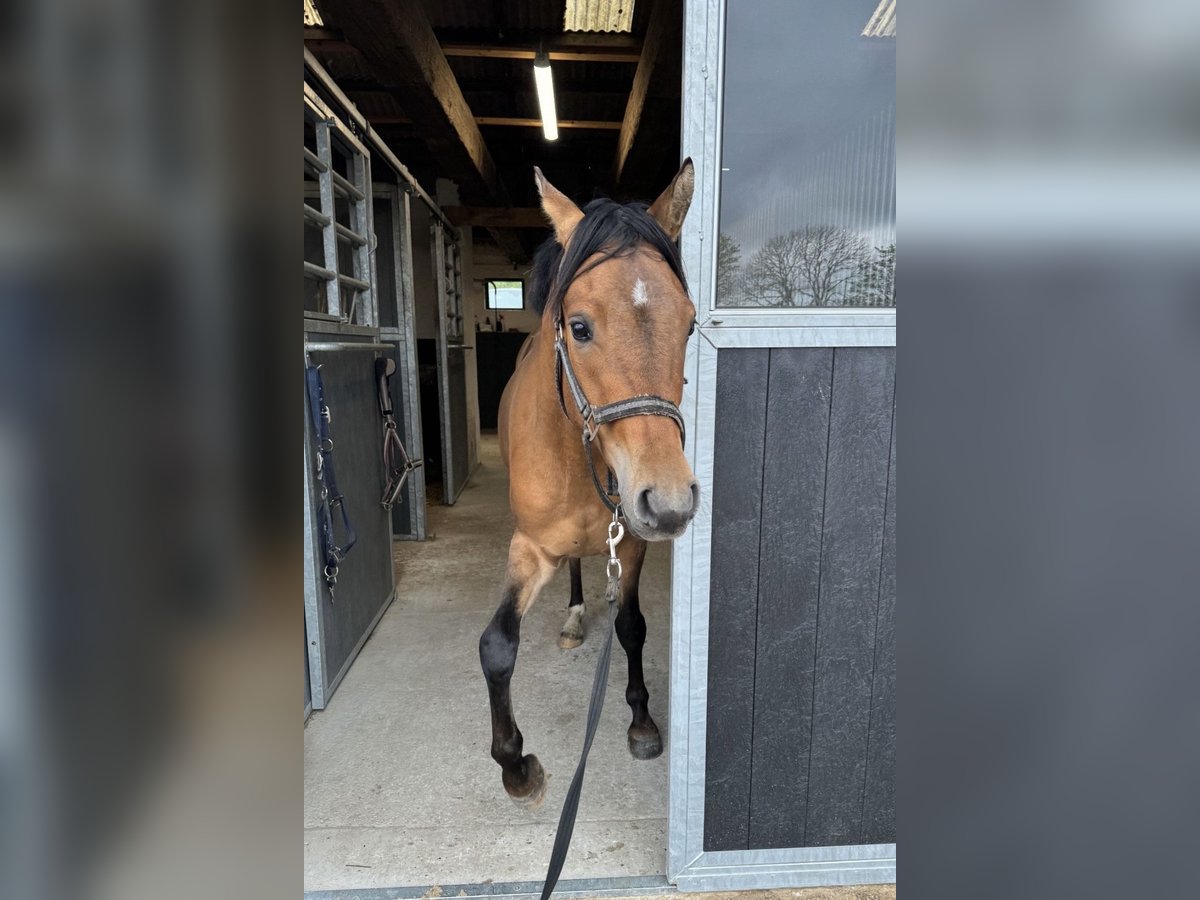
{"x": 808, "y": 155}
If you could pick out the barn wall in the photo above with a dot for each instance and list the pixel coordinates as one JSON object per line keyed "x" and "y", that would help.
{"x": 801, "y": 677}
{"x": 488, "y": 263}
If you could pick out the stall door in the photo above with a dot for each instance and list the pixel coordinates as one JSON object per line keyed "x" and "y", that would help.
{"x": 394, "y": 264}
{"x": 341, "y": 335}
{"x": 783, "y": 594}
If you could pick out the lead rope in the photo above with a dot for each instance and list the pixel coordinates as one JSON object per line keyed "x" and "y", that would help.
{"x": 566, "y": 819}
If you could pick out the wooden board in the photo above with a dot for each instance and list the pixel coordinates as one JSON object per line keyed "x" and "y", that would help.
{"x": 879, "y": 796}
{"x": 789, "y": 581}
{"x": 860, "y": 423}
{"x": 801, "y": 704}
{"x": 736, "y": 504}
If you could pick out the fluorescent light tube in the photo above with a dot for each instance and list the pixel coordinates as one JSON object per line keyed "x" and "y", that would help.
{"x": 544, "y": 80}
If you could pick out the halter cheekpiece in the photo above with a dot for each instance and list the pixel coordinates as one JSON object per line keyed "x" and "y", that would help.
{"x": 595, "y": 416}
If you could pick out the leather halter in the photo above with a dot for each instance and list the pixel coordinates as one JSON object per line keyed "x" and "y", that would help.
{"x": 595, "y": 416}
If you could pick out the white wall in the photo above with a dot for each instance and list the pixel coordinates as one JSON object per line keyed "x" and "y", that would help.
{"x": 490, "y": 263}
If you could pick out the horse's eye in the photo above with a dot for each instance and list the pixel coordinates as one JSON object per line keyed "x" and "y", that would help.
{"x": 692, "y": 328}
{"x": 580, "y": 331}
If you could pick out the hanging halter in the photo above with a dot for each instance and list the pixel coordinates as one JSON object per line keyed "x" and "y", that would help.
{"x": 595, "y": 416}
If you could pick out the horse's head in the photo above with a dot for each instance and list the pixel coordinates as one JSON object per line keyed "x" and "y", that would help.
{"x": 613, "y": 280}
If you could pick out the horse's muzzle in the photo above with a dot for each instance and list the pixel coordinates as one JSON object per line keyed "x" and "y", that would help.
{"x": 663, "y": 514}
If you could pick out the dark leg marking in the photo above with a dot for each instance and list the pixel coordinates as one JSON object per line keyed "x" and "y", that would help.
{"x": 523, "y": 776}
{"x": 644, "y": 740}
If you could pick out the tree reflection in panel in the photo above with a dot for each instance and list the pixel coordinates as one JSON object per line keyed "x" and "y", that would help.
{"x": 808, "y": 155}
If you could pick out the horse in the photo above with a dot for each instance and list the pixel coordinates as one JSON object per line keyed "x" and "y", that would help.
{"x": 616, "y": 318}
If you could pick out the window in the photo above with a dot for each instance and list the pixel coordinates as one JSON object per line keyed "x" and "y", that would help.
{"x": 506, "y": 295}
{"x": 808, "y": 191}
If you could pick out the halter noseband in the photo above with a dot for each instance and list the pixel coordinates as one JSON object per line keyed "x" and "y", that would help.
{"x": 595, "y": 416}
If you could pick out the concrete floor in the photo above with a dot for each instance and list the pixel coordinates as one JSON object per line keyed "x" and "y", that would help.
{"x": 399, "y": 788}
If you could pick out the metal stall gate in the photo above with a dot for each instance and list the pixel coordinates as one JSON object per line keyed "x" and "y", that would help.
{"x": 452, "y": 363}
{"x": 783, "y": 591}
{"x": 342, "y": 336}
{"x": 393, "y": 229}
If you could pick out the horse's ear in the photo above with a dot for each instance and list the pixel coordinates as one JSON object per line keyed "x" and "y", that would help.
{"x": 562, "y": 213}
{"x": 672, "y": 204}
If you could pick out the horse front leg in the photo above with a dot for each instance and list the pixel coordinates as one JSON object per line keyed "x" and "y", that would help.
{"x": 528, "y": 571}
{"x": 572, "y": 630}
{"x": 644, "y": 740}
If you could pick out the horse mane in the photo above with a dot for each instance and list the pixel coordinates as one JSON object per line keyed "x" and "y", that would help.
{"x": 609, "y": 228}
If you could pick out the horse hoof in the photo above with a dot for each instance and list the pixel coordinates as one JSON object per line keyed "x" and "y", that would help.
{"x": 570, "y": 641}
{"x": 572, "y": 630}
{"x": 531, "y": 792}
{"x": 645, "y": 743}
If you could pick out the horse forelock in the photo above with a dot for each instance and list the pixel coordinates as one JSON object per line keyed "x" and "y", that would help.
{"x": 611, "y": 229}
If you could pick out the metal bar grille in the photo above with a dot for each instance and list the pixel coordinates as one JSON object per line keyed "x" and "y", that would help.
{"x": 314, "y": 162}
{"x": 315, "y": 215}
{"x": 333, "y": 303}
{"x": 346, "y": 188}
{"x": 350, "y": 294}
{"x": 311, "y": 270}
{"x": 352, "y": 236}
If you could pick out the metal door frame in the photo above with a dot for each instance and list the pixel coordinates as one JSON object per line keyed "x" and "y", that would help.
{"x": 689, "y": 866}
{"x": 447, "y": 260}
{"x": 359, "y": 321}
{"x": 404, "y": 337}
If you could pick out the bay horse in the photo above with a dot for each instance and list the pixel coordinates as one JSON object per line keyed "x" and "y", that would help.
{"x": 616, "y": 318}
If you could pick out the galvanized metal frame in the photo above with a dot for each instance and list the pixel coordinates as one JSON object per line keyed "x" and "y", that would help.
{"x": 574, "y": 888}
{"x": 404, "y": 336}
{"x": 359, "y": 121}
{"x": 437, "y": 248}
{"x": 360, "y": 234}
{"x": 339, "y": 323}
{"x": 689, "y": 866}
{"x": 456, "y": 331}
{"x": 314, "y": 632}
{"x": 321, "y": 683}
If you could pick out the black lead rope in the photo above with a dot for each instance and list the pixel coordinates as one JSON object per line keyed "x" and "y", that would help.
{"x": 593, "y": 417}
{"x": 566, "y": 819}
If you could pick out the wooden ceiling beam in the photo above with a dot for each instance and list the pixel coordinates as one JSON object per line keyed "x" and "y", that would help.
{"x": 402, "y": 52}
{"x": 509, "y": 121}
{"x": 633, "y": 120}
{"x": 593, "y": 54}
{"x": 517, "y": 122}
{"x": 661, "y": 19}
{"x": 319, "y": 33}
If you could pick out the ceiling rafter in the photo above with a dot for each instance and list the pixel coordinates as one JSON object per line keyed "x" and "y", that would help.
{"x": 656, "y": 30}
{"x": 399, "y": 46}
{"x": 492, "y": 51}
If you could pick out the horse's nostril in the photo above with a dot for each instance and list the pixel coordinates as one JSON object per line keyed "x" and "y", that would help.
{"x": 644, "y": 510}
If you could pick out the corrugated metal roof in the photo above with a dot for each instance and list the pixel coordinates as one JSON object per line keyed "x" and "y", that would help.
{"x": 883, "y": 21}
{"x": 598, "y": 15}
